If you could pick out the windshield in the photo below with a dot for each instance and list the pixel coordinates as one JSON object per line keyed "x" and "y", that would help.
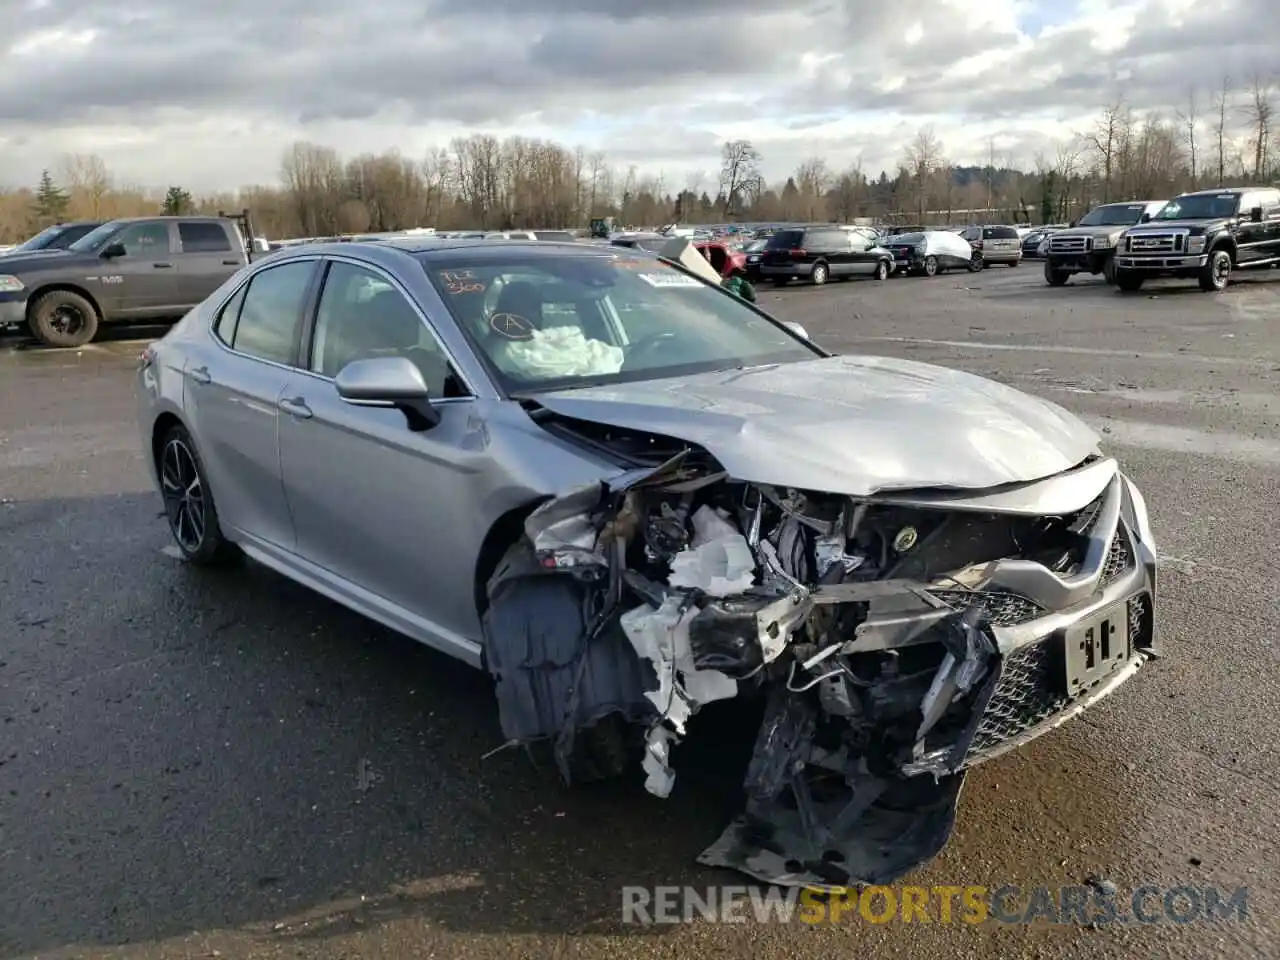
{"x": 755, "y": 246}
{"x": 556, "y": 322}
{"x": 94, "y": 238}
{"x": 1200, "y": 206}
{"x": 1113, "y": 215}
{"x": 907, "y": 238}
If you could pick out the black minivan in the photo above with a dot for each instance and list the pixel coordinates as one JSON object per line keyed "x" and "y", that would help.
{"x": 823, "y": 253}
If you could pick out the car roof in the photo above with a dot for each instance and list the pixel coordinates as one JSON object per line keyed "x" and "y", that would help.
{"x": 1221, "y": 190}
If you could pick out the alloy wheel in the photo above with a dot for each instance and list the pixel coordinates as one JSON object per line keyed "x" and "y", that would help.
{"x": 183, "y": 495}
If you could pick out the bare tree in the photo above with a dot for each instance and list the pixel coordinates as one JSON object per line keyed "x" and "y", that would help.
{"x": 813, "y": 179}
{"x": 923, "y": 158}
{"x": 1260, "y": 111}
{"x": 1221, "y": 136}
{"x": 86, "y": 175}
{"x": 739, "y": 172}
{"x": 1189, "y": 120}
{"x": 1109, "y": 141}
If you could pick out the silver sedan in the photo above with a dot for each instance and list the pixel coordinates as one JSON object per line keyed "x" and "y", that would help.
{"x": 626, "y": 493}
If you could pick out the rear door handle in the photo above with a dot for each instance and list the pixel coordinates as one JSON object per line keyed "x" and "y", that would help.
{"x": 295, "y": 407}
{"x": 162, "y": 266}
{"x": 231, "y": 263}
{"x": 200, "y": 375}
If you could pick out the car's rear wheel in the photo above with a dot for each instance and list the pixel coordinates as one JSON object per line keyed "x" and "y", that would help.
{"x": 820, "y": 274}
{"x": 188, "y": 502}
{"x": 1014, "y": 263}
{"x": 1216, "y": 273}
{"x": 63, "y": 318}
{"x": 930, "y": 266}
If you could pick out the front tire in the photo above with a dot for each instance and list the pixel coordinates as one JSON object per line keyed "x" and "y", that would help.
{"x": 975, "y": 262}
{"x": 1055, "y": 278}
{"x": 1216, "y": 273}
{"x": 62, "y": 318}
{"x": 188, "y": 502}
{"x": 882, "y": 270}
{"x": 1109, "y": 270}
{"x": 820, "y": 274}
{"x": 1129, "y": 280}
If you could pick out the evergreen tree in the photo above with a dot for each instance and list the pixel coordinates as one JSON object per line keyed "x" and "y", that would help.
{"x": 177, "y": 201}
{"x": 51, "y": 200}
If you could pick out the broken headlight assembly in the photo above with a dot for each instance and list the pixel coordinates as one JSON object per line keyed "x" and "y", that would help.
{"x": 896, "y": 641}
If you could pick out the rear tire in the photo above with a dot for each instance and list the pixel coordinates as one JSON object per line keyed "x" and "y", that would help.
{"x": 1109, "y": 270}
{"x": 975, "y": 262}
{"x": 1129, "y": 280}
{"x": 930, "y": 266}
{"x": 61, "y": 318}
{"x": 1216, "y": 273}
{"x": 188, "y": 503}
{"x": 820, "y": 274}
{"x": 1014, "y": 263}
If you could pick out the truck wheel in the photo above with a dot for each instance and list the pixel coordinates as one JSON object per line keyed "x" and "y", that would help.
{"x": 1109, "y": 270}
{"x": 61, "y": 318}
{"x": 1216, "y": 273}
{"x": 1055, "y": 278}
{"x": 1129, "y": 280}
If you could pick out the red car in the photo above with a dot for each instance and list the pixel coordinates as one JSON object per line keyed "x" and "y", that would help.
{"x": 724, "y": 258}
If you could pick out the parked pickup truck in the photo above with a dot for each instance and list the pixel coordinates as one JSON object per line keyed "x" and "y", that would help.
{"x": 1204, "y": 235}
{"x": 1089, "y": 244}
{"x": 144, "y": 268}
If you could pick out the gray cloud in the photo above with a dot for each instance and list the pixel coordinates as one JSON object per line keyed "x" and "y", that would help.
{"x": 295, "y": 64}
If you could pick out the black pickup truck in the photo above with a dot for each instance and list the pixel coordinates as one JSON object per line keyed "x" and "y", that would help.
{"x": 1206, "y": 235}
{"x": 144, "y": 268}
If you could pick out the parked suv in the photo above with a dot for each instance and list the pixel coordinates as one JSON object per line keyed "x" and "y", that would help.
{"x": 818, "y": 254}
{"x": 996, "y": 244}
{"x": 1089, "y": 245}
{"x": 1205, "y": 235}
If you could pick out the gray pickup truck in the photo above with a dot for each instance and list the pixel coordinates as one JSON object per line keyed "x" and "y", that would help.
{"x": 144, "y": 268}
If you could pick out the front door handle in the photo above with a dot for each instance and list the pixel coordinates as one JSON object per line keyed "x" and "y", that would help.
{"x": 200, "y": 375}
{"x": 162, "y": 266}
{"x": 295, "y": 407}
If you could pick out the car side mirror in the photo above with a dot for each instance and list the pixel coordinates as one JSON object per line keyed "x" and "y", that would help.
{"x": 797, "y": 329}
{"x": 389, "y": 382}
{"x": 1255, "y": 214}
{"x": 113, "y": 250}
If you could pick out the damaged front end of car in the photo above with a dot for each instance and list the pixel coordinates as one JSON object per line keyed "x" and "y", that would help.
{"x": 896, "y": 640}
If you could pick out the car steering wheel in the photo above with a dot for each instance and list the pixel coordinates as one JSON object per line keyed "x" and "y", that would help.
{"x": 641, "y": 348}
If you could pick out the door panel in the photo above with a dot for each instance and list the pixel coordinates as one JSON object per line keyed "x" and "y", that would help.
{"x": 206, "y": 260}
{"x": 144, "y": 281}
{"x": 390, "y": 510}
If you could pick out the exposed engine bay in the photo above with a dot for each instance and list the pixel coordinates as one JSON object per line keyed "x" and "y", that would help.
{"x": 896, "y": 640}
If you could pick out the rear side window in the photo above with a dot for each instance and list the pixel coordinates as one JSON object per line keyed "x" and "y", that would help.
{"x": 827, "y": 240}
{"x": 271, "y": 312}
{"x": 786, "y": 240}
{"x": 999, "y": 233}
{"x": 203, "y": 237}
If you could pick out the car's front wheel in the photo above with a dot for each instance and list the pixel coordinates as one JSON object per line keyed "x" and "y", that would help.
{"x": 188, "y": 502}
{"x": 882, "y": 270}
{"x": 63, "y": 318}
{"x": 1216, "y": 274}
{"x": 1129, "y": 280}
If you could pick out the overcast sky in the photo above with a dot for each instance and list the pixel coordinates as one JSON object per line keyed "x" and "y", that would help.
{"x": 206, "y": 94}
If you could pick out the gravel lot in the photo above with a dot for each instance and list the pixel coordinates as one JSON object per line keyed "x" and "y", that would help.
{"x": 194, "y": 763}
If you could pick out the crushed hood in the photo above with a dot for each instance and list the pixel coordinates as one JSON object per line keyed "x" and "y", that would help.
{"x": 852, "y": 425}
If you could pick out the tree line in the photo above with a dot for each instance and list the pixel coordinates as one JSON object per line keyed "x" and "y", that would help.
{"x": 1228, "y": 135}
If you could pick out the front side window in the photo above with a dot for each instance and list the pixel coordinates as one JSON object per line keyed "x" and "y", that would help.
{"x": 144, "y": 239}
{"x": 271, "y": 312}
{"x": 562, "y": 322}
{"x": 361, "y": 316}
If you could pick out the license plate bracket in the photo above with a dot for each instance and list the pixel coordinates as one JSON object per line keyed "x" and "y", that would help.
{"x": 1095, "y": 647}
